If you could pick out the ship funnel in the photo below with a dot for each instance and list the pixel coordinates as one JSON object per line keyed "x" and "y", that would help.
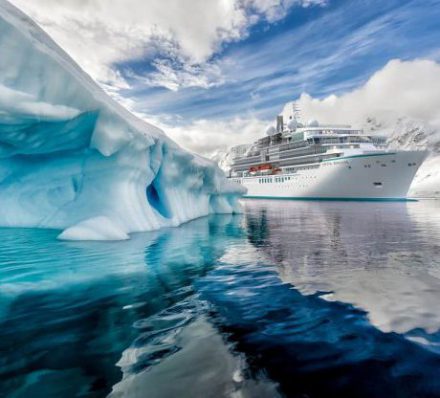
{"x": 280, "y": 123}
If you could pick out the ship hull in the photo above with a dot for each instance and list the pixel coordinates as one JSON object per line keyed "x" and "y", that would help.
{"x": 385, "y": 176}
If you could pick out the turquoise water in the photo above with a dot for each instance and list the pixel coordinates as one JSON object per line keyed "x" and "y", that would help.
{"x": 297, "y": 299}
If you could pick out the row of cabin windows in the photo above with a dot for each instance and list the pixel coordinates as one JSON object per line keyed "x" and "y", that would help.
{"x": 295, "y": 169}
{"x": 384, "y": 164}
{"x": 276, "y": 179}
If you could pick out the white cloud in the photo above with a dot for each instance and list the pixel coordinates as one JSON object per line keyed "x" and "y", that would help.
{"x": 166, "y": 75}
{"x": 98, "y": 33}
{"x": 207, "y": 137}
{"x": 401, "y": 89}
{"x": 274, "y": 10}
{"x": 408, "y": 89}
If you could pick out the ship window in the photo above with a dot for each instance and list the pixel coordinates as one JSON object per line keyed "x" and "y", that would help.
{"x": 377, "y": 184}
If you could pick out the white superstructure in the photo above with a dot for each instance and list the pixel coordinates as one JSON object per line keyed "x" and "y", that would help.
{"x": 324, "y": 162}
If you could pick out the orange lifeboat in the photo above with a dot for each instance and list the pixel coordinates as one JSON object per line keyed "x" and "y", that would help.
{"x": 265, "y": 168}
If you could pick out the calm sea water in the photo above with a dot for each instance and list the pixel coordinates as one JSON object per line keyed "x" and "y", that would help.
{"x": 297, "y": 299}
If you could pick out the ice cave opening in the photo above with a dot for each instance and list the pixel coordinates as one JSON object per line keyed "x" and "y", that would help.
{"x": 157, "y": 199}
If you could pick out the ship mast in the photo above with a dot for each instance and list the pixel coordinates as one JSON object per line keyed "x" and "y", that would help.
{"x": 295, "y": 111}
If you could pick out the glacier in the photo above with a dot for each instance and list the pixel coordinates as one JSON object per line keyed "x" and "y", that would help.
{"x": 72, "y": 158}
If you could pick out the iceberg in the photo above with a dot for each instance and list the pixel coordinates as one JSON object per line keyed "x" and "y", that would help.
{"x": 71, "y": 158}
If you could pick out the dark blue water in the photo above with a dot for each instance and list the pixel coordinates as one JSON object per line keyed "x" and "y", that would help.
{"x": 296, "y": 299}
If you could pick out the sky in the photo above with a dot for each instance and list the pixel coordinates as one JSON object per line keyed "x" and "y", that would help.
{"x": 215, "y": 73}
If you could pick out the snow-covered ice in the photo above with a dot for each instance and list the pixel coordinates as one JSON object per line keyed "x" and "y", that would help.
{"x": 97, "y": 228}
{"x": 72, "y": 158}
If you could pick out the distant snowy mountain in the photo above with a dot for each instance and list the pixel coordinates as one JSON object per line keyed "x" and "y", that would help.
{"x": 223, "y": 160}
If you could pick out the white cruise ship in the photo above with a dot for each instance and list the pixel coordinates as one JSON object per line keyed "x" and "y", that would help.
{"x": 316, "y": 161}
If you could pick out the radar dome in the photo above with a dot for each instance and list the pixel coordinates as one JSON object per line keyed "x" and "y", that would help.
{"x": 292, "y": 124}
{"x": 312, "y": 123}
{"x": 271, "y": 130}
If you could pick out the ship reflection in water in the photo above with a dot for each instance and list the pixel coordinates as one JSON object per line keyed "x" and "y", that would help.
{"x": 297, "y": 299}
